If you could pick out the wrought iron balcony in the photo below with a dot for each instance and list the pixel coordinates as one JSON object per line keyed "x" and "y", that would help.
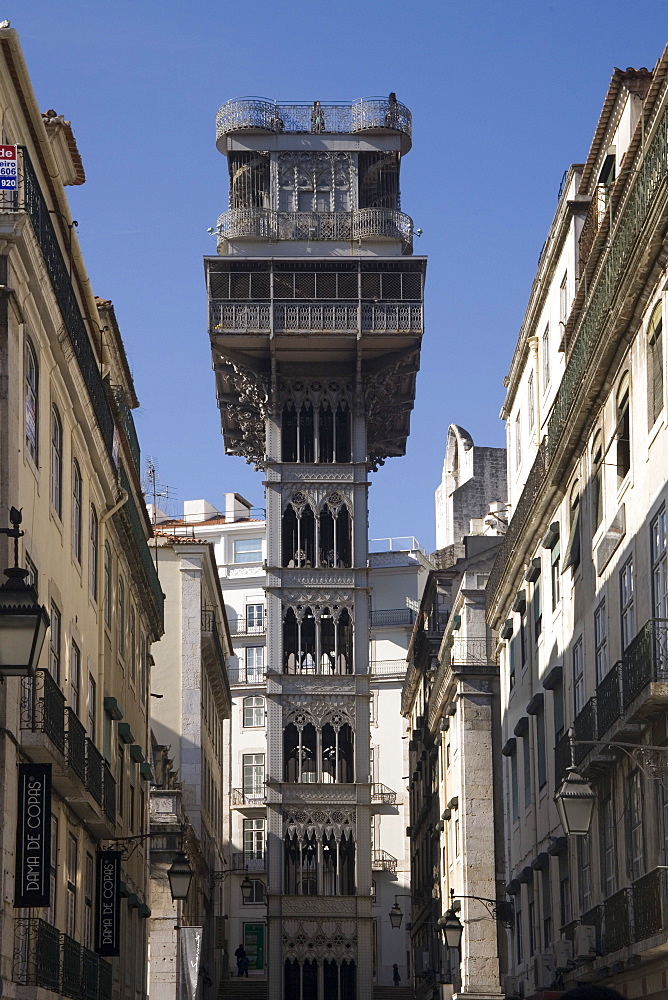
{"x": 70, "y": 984}
{"x": 105, "y": 980}
{"x": 594, "y": 918}
{"x": 240, "y": 797}
{"x": 253, "y": 861}
{"x": 383, "y": 862}
{"x": 396, "y": 616}
{"x": 382, "y": 794}
{"x": 618, "y": 920}
{"x": 260, "y": 115}
{"x": 37, "y": 954}
{"x": 319, "y": 316}
{"x": 650, "y": 904}
{"x": 584, "y": 728}
{"x": 359, "y": 224}
{"x": 94, "y": 772}
{"x": 76, "y": 744}
{"x": 475, "y": 651}
{"x": 388, "y": 668}
{"x": 90, "y": 975}
{"x": 210, "y": 629}
{"x": 242, "y": 627}
{"x": 43, "y": 707}
{"x": 108, "y": 793}
{"x": 242, "y": 675}
{"x": 609, "y": 699}
{"x": 645, "y": 659}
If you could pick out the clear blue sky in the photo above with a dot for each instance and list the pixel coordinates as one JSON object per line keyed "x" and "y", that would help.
{"x": 504, "y": 95}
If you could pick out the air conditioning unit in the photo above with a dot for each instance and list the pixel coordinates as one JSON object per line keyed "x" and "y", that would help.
{"x": 543, "y": 971}
{"x": 563, "y": 956}
{"x": 585, "y": 943}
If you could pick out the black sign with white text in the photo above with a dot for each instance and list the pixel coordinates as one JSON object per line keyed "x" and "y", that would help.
{"x": 108, "y": 917}
{"x": 33, "y": 836}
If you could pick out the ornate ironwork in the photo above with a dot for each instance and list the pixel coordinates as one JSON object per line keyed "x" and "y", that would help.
{"x": 609, "y": 699}
{"x": 126, "y": 420}
{"x": 70, "y": 983}
{"x": 618, "y": 920}
{"x": 645, "y": 659}
{"x": 37, "y": 954}
{"x": 240, "y": 797}
{"x": 388, "y": 668}
{"x": 594, "y": 918}
{"x": 239, "y": 317}
{"x": 385, "y": 317}
{"x": 108, "y": 793}
{"x": 475, "y": 651}
{"x": 90, "y": 973}
{"x": 397, "y": 616}
{"x": 105, "y": 980}
{"x": 271, "y": 116}
{"x": 43, "y": 707}
{"x": 94, "y": 771}
{"x": 584, "y": 729}
{"x": 650, "y": 898}
{"x": 240, "y": 675}
{"x": 383, "y": 794}
{"x": 382, "y": 861}
{"x": 76, "y": 744}
{"x": 382, "y": 317}
{"x": 648, "y": 180}
{"x": 360, "y": 224}
{"x": 251, "y": 862}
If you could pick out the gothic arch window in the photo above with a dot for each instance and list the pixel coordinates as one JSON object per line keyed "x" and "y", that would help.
{"x": 319, "y": 861}
{"x": 299, "y": 533}
{"x": 335, "y": 535}
{"x": 317, "y": 640}
{"x": 318, "y": 753}
{"x": 314, "y": 182}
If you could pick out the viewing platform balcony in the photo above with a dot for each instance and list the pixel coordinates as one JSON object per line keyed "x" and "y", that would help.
{"x": 318, "y": 317}
{"x": 359, "y": 224}
{"x": 374, "y": 115}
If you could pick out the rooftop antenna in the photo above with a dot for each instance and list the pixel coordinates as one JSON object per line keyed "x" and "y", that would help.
{"x": 154, "y": 490}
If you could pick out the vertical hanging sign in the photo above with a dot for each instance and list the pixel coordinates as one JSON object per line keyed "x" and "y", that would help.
{"x": 33, "y": 836}
{"x": 108, "y": 916}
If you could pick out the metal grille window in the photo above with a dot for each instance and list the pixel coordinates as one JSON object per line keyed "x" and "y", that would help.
{"x": 120, "y": 620}
{"x": 314, "y": 182}
{"x": 531, "y": 913}
{"x": 253, "y": 712}
{"x": 55, "y": 640}
{"x": 626, "y": 603}
{"x": 31, "y": 401}
{"x": 254, "y": 663}
{"x": 56, "y": 480}
{"x": 636, "y": 848}
{"x": 537, "y": 608}
{"x": 89, "y": 882}
{"x": 254, "y": 617}
{"x": 584, "y": 873}
{"x": 655, "y": 366}
{"x": 93, "y": 554}
{"x": 72, "y": 867}
{"x": 108, "y": 590}
{"x": 253, "y": 774}
{"x": 75, "y": 676}
{"x": 601, "y": 641}
{"x": 578, "y": 676}
{"x": 659, "y": 574}
{"x": 143, "y": 666}
{"x": 519, "y": 936}
{"x": 247, "y": 550}
{"x": 257, "y": 893}
{"x": 512, "y": 658}
{"x": 77, "y": 514}
{"x": 253, "y": 839}
{"x": 606, "y": 827}
{"x": 555, "y": 573}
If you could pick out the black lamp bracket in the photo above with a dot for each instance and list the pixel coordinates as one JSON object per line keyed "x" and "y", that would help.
{"x": 221, "y": 875}
{"x": 501, "y": 910}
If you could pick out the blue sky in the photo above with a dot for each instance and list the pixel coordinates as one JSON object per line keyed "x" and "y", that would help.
{"x": 504, "y": 96}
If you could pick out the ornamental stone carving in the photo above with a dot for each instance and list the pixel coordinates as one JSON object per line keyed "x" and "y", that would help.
{"x": 320, "y": 939}
{"x": 317, "y": 497}
{"x": 317, "y": 474}
{"x": 316, "y": 597}
{"x": 315, "y": 685}
{"x": 319, "y": 709}
{"x": 315, "y": 392}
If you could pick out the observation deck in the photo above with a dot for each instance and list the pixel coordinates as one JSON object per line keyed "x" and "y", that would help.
{"x": 256, "y": 115}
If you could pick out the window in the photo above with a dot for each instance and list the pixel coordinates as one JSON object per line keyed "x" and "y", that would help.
{"x": 564, "y": 889}
{"x": 572, "y": 553}
{"x": 72, "y": 866}
{"x": 143, "y": 666}
{"x": 546, "y": 890}
{"x": 526, "y": 760}
{"x": 654, "y": 367}
{"x": 53, "y": 883}
{"x": 514, "y": 790}
{"x": 606, "y": 828}
{"x": 77, "y": 515}
{"x": 253, "y": 712}
{"x": 32, "y": 578}
{"x": 597, "y": 481}
{"x": 635, "y": 848}
{"x": 519, "y": 937}
{"x": 89, "y": 882}
{"x": 555, "y": 573}
{"x": 314, "y": 182}
{"x": 253, "y": 840}
{"x": 541, "y": 755}
{"x": 623, "y": 432}
{"x": 253, "y": 775}
{"x": 601, "y": 642}
{"x": 75, "y": 676}
{"x": 584, "y": 873}
{"x": 518, "y": 440}
{"x": 558, "y": 706}
{"x": 659, "y": 574}
{"x": 626, "y": 603}
{"x": 256, "y": 894}
{"x": 120, "y": 621}
{"x": 31, "y": 401}
{"x": 254, "y": 664}
{"x": 107, "y": 585}
{"x": 563, "y": 301}
{"x": 91, "y": 706}
{"x": 546, "y": 357}
{"x": 55, "y": 642}
{"x": 56, "y": 461}
{"x": 531, "y": 913}
{"x": 578, "y": 677}
{"x": 133, "y": 644}
{"x": 254, "y": 617}
{"x": 93, "y": 554}
{"x": 537, "y": 611}
{"x": 531, "y": 407}
{"x": 248, "y": 550}
{"x": 512, "y": 658}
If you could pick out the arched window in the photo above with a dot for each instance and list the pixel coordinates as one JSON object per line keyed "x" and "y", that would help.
{"x": 77, "y": 513}
{"x": 623, "y": 430}
{"x": 254, "y": 712}
{"x": 655, "y": 366}
{"x": 107, "y": 585}
{"x": 597, "y": 480}
{"x": 93, "y": 554}
{"x": 31, "y": 401}
{"x": 56, "y": 461}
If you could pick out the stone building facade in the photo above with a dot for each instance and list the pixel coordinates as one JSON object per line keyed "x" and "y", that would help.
{"x": 578, "y": 591}
{"x": 69, "y": 458}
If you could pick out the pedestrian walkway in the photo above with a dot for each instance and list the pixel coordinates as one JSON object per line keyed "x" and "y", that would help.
{"x": 393, "y": 993}
{"x": 244, "y": 989}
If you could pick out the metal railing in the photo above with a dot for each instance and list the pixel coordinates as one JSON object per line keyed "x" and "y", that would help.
{"x": 43, "y": 707}
{"x": 618, "y": 930}
{"x": 108, "y": 793}
{"x": 478, "y": 651}
{"x": 70, "y": 978}
{"x": 383, "y": 794}
{"x": 594, "y": 918}
{"x": 396, "y": 616}
{"x": 106, "y": 983}
{"x": 127, "y": 422}
{"x": 397, "y": 543}
{"x": 94, "y": 780}
{"x": 584, "y": 728}
{"x": 383, "y": 861}
{"x": 241, "y": 627}
{"x": 210, "y": 627}
{"x": 76, "y": 744}
{"x": 37, "y": 954}
{"x": 240, "y": 797}
{"x": 609, "y": 699}
{"x": 90, "y": 974}
{"x": 650, "y": 904}
{"x": 645, "y": 659}
{"x": 242, "y": 675}
{"x": 273, "y": 116}
{"x": 253, "y": 861}
{"x": 359, "y": 224}
{"x": 388, "y": 668}
{"x": 288, "y": 317}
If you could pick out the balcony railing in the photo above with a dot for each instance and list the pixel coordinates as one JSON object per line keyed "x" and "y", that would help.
{"x": 76, "y": 744}
{"x": 71, "y": 982}
{"x": 327, "y": 317}
{"x": 584, "y": 728}
{"x": 260, "y": 114}
{"x": 94, "y": 771}
{"x": 37, "y": 954}
{"x": 253, "y": 861}
{"x": 108, "y": 793}
{"x": 388, "y": 668}
{"x": 645, "y": 659}
{"x": 242, "y": 675}
{"x": 609, "y": 699}
{"x": 396, "y": 616}
{"x": 383, "y": 794}
{"x": 618, "y": 931}
{"x": 105, "y": 980}
{"x": 650, "y": 904}
{"x": 359, "y": 224}
{"x": 210, "y": 627}
{"x": 43, "y": 707}
{"x": 90, "y": 975}
{"x": 594, "y": 918}
{"x": 242, "y": 627}
{"x": 240, "y": 797}
{"x": 383, "y": 862}
{"x": 478, "y": 651}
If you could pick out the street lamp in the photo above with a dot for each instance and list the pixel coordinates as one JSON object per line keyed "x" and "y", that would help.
{"x": 575, "y": 803}
{"x": 451, "y": 928}
{"x": 23, "y": 622}
{"x": 396, "y": 915}
{"x": 180, "y": 876}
